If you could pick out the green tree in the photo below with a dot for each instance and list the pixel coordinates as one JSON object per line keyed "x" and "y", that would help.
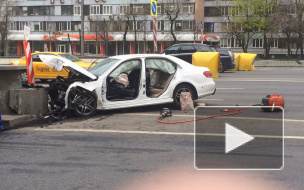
{"x": 266, "y": 11}
{"x": 244, "y": 22}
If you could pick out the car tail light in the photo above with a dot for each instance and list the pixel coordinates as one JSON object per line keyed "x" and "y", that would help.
{"x": 208, "y": 74}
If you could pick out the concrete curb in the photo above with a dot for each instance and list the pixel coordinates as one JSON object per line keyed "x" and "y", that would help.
{"x": 11, "y": 121}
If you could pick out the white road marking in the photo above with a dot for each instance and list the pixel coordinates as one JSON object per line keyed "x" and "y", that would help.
{"x": 157, "y": 133}
{"x": 295, "y": 80}
{"x": 210, "y": 99}
{"x": 230, "y": 88}
{"x": 229, "y": 117}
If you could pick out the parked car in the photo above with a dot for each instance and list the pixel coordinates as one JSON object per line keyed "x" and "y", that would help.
{"x": 44, "y": 72}
{"x": 185, "y": 51}
{"x": 127, "y": 81}
{"x": 227, "y": 60}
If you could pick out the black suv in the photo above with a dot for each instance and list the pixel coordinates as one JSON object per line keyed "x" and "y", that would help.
{"x": 185, "y": 51}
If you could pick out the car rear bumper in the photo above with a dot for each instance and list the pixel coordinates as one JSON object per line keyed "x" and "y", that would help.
{"x": 206, "y": 90}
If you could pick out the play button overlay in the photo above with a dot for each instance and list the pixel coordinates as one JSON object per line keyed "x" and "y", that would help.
{"x": 235, "y": 138}
{"x": 250, "y": 139}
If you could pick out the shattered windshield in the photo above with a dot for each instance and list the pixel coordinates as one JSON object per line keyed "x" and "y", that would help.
{"x": 102, "y": 66}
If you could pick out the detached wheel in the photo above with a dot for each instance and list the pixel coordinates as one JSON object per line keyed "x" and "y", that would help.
{"x": 221, "y": 69}
{"x": 84, "y": 104}
{"x": 177, "y": 92}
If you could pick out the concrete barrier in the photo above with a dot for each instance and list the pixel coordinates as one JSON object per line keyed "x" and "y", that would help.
{"x": 31, "y": 101}
{"x": 211, "y": 60}
{"x": 10, "y": 78}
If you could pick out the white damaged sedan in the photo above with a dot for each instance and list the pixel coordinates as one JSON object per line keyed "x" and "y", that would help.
{"x": 127, "y": 81}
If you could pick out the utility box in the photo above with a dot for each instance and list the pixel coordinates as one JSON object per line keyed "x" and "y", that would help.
{"x": 211, "y": 60}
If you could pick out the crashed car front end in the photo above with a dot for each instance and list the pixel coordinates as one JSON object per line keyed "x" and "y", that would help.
{"x": 76, "y": 93}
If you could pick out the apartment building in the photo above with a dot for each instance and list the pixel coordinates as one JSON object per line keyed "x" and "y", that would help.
{"x": 55, "y": 25}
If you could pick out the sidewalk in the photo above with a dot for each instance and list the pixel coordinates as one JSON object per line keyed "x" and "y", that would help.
{"x": 276, "y": 63}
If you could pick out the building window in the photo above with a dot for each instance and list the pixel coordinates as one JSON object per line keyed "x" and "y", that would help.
{"x": 24, "y": 11}
{"x": 187, "y": 25}
{"x": 49, "y": 10}
{"x": 124, "y": 9}
{"x": 66, "y": 26}
{"x": 225, "y": 43}
{"x": 77, "y": 10}
{"x": 21, "y": 25}
{"x": 257, "y": 43}
{"x": 167, "y": 25}
{"x": 107, "y": 9}
{"x": 67, "y": 10}
{"x": 274, "y": 43}
{"x": 38, "y": 26}
{"x": 158, "y": 26}
{"x": 138, "y": 9}
{"x": 94, "y": 9}
{"x": 178, "y": 25}
{"x": 159, "y": 9}
{"x": 13, "y": 26}
{"x": 188, "y": 9}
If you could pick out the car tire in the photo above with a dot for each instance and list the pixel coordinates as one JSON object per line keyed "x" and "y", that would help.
{"x": 44, "y": 80}
{"x": 177, "y": 92}
{"x": 87, "y": 104}
{"x": 221, "y": 68}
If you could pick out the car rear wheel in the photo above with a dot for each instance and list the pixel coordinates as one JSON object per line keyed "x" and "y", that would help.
{"x": 221, "y": 68}
{"x": 85, "y": 104}
{"x": 177, "y": 92}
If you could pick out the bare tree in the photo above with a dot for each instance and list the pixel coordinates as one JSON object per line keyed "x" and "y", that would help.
{"x": 287, "y": 23}
{"x": 300, "y": 26}
{"x": 5, "y": 13}
{"x": 173, "y": 10}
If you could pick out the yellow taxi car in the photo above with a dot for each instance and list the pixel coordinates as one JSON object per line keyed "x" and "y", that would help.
{"x": 44, "y": 72}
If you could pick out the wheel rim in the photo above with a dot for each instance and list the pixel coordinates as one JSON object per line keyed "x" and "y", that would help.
{"x": 178, "y": 93}
{"x": 221, "y": 68}
{"x": 24, "y": 77}
{"x": 86, "y": 107}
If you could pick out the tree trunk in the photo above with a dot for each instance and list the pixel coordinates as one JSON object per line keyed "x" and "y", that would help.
{"x": 172, "y": 32}
{"x": 266, "y": 49}
{"x": 301, "y": 43}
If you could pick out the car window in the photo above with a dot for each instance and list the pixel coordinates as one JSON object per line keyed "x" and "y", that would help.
{"x": 102, "y": 66}
{"x": 205, "y": 48}
{"x": 70, "y": 57}
{"x": 161, "y": 64}
{"x": 187, "y": 49}
{"x": 36, "y": 58}
{"x": 126, "y": 67}
{"x": 223, "y": 53}
{"x": 172, "y": 50}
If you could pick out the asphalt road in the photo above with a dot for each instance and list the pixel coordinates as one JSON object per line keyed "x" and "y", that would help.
{"x": 129, "y": 149}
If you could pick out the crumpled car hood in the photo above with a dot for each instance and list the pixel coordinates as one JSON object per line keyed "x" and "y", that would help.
{"x": 58, "y": 63}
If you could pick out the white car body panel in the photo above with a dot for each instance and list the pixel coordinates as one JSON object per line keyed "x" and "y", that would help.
{"x": 185, "y": 73}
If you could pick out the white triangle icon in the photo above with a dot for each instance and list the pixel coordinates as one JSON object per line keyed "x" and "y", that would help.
{"x": 235, "y": 138}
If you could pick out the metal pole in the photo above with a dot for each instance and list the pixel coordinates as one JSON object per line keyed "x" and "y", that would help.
{"x": 82, "y": 30}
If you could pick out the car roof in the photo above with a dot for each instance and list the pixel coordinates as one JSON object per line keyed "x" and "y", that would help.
{"x": 129, "y": 56}
{"x": 195, "y": 44}
{"x": 42, "y": 52}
